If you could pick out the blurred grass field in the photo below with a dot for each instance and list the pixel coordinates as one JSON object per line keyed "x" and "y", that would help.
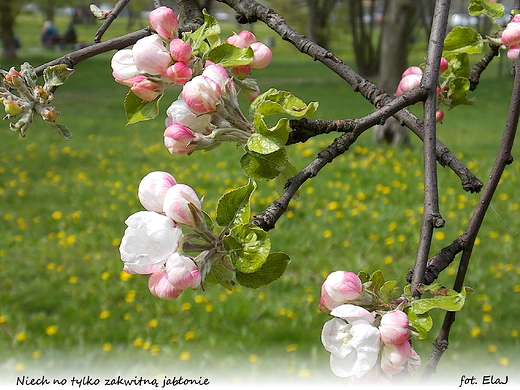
{"x": 65, "y": 304}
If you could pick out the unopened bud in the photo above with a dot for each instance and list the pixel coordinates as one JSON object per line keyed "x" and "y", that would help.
{"x": 14, "y": 78}
{"x": 49, "y": 114}
{"x": 11, "y": 107}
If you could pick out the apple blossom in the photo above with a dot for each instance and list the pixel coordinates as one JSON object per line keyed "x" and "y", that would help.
{"x": 178, "y": 139}
{"x": 123, "y": 66}
{"x": 444, "y": 65}
{"x": 148, "y": 241}
{"x": 177, "y": 201}
{"x": 182, "y": 272}
{"x": 180, "y": 50}
{"x": 243, "y": 39}
{"x": 262, "y": 56}
{"x": 408, "y": 83}
{"x": 178, "y": 113}
{"x": 439, "y": 116}
{"x": 241, "y": 71}
{"x": 513, "y": 51}
{"x": 146, "y": 88}
{"x": 338, "y": 288}
{"x": 164, "y": 22}
{"x": 394, "y": 327}
{"x": 352, "y": 313}
{"x": 152, "y": 189}
{"x": 160, "y": 286}
{"x": 202, "y": 94}
{"x": 511, "y": 34}
{"x": 178, "y": 73}
{"x": 150, "y": 55}
{"x": 354, "y": 347}
{"x": 14, "y": 78}
{"x": 48, "y": 114}
{"x": 394, "y": 357}
{"x": 412, "y": 70}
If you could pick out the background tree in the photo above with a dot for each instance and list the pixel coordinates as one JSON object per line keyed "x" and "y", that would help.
{"x": 8, "y": 12}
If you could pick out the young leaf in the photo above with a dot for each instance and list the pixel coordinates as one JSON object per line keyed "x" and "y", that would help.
{"x": 458, "y": 65}
{"x": 248, "y": 247}
{"x": 138, "y": 110}
{"x": 491, "y": 10}
{"x": 275, "y": 102}
{"x": 268, "y": 140}
{"x": 55, "y": 76}
{"x": 281, "y": 180}
{"x": 60, "y": 129}
{"x": 234, "y": 205}
{"x": 29, "y": 74}
{"x": 443, "y": 298}
{"x": 263, "y": 166}
{"x": 197, "y": 39}
{"x": 272, "y": 269}
{"x": 463, "y": 40}
{"x": 221, "y": 273}
{"x": 228, "y": 55}
{"x": 420, "y": 324}
{"x": 458, "y": 90}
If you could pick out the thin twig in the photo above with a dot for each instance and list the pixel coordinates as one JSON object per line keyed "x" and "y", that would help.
{"x": 120, "y": 5}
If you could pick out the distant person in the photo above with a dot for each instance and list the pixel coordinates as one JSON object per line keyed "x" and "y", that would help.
{"x": 70, "y": 37}
{"x": 49, "y": 34}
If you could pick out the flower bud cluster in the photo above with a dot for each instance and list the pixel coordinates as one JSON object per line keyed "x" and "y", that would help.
{"x": 412, "y": 77}
{"x": 363, "y": 344}
{"x": 153, "y": 240}
{"x": 207, "y": 110}
{"x": 29, "y": 102}
{"x": 511, "y": 38}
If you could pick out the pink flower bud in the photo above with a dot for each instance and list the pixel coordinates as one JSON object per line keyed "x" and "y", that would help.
{"x": 394, "y": 327}
{"x": 262, "y": 56}
{"x": 412, "y": 70}
{"x": 179, "y": 73}
{"x": 178, "y": 138}
{"x": 146, "y": 88}
{"x": 243, "y": 39}
{"x": 202, "y": 94}
{"x": 182, "y": 272}
{"x": 408, "y": 83}
{"x": 150, "y": 55}
{"x": 241, "y": 71}
{"x": 180, "y": 114}
{"x": 439, "y": 116}
{"x": 444, "y": 65}
{"x": 123, "y": 66}
{"x": 176, "y": 203}
{"x": 160, "y": 286}
{"x": 180, "y": 50}
{"x": 48, "y": 114}
{"x": 152, "y": 189}
{"x": 14, "y": 78}
{"x": 218, "y": 74}
{"x": 511, "y": 34}
{"x": 164, "y": 21}
{"x": 395, "y": 357}
{"x": 338, "y": 288}
{"x": 513, "y": 51}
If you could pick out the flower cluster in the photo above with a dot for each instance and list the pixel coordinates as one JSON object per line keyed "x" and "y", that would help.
{"x": 511, "y": 38}
{"x": 153, "y": 240}
{"x": 412, "y": 77}
{"x": 206, "y": 111}
{"x": 363, "y": 344}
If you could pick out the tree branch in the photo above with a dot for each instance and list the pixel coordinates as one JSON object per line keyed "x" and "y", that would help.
{"x": 120, "y": 5}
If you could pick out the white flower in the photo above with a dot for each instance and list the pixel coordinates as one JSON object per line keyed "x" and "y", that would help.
{"x": 150, "y": 55}
{"x": 352, "y": 313}
{"x": 148, "y": 242}
{"x": 354, "y": 347}
{"x": 152, "y": 189}
{"x": 180, "y": 114}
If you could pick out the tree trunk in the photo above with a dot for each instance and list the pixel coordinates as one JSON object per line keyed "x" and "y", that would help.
{"x": 8, "y": 11}
{"x": 397, "y": 34}
{"x": 318, "y": 20}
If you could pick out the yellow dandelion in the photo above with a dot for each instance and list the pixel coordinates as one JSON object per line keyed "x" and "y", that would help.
{"x": 186, "y": 306}
{"x": 124, "y": 276}
{"x": 138, "y": 342}
{"x": 388, "y": 259}
{"x": 475, "y": 332}
{"x": 327, "y": 233}
{"x": 51, "y": 266}
{"x": 51, "y": 330}
{"x": 116, "y": 242}
{"x": 185, "y": 356}
{"x": 2, "y": 319}
{"x": 20, "y": 367}
{"x": 487, "y": 318}
{"x": 290, "y": 314}
{"x": 389, "y": 240}
{"x": 504, "y": 361}
{"x": 107, "y": 347}
{"x": 392, "y": 226}
{"x": 154, "y": 350}
{"x": 73, "y": 280}
{"x": 208, "y": 308}
{"x": 289, "y": 214}
{"x": 439, "y": 235}
{"x": 105, "y": 275}
{"x": 36, "y": 354}
{"x": 492, "y": 348}
{"x": 261, "y": 296}
{"x": 130, "y": 296}
{"x": 310, "y": 298}
{"x": 189, "y": 335}
{"x": 56, "y": 215}
{"x": 486, "y": 307}
{"x": 305, "y": 373}
{"x": 514, "y": 333}
{"x": 200, "y": 298}
{"x": 517, "y": 288}
{"x": 152, "y": 323}
{"x": 21, "y": 336}
{"x": 253, "y": 358}
{"x": 291, "y": 348}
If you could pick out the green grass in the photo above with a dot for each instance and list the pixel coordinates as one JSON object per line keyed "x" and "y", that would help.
{"x": 66, "y": 305}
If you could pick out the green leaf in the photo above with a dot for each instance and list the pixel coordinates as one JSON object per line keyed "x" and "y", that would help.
{"x": 463, "y": 40}
{"x": 458, "y": 90}
{"x": 281, "y": 180}
{"x": 55, "y": 76}
{"x": 138, "y": 110}
{"x": 263, "y": 166}
{"x": 276, "y": 102}
{"x": 377, "y": 279}
{"x": 363, "y": 276}
{"x": 387, "y": 290}
{"x": 234, "y": 205}
{"x": 268, "y": 140}
{"x": 421, "y": 324}
{"x": 491, "y": 10}
{"x": 228, "y": 55}
{"x": 458, "y": 65}
{"x": 274, "y": 267}
{"x": 248, "y": 247}
{"x": 209, "y": 29}
{"x": 442, "y": 298}
{"x": 60, "y": 129}
{"x": 221, "y": 273}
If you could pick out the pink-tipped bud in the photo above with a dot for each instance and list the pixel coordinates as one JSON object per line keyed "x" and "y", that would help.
{"x": 408, "y": 83}
{"x": 152, "y": 189}
{"x": 394, "y": 327}
{"x": 180, "y": 50}
{"x": 177, "y": 201}
{"x": 145, "y": 88}
{"x": 262, "y": 56}
{"x": 150, "y": 55}
{"x": 444, "y": 65}
{"x": 513, "y": 52}
{"x": 14, "y": 78}
{"x": 164, "y": 21}
{"x": 178, "y": 139}
{"x": 202, "y": 94}
{"x": 182, "y": 272}
{"x": 160, "y": 286}
{"x": 251, "y": 94}
{"x": 243, "y": 39}
{"x": 241, "y": 71}
{"x": 439, "y": 116}
{"x": 412, "y": 70}
{"x": 395, "y": 357}
{"x": 511, "y": 34}
{"x": 179, "y": 73}
{"x": 338, "y": 288}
